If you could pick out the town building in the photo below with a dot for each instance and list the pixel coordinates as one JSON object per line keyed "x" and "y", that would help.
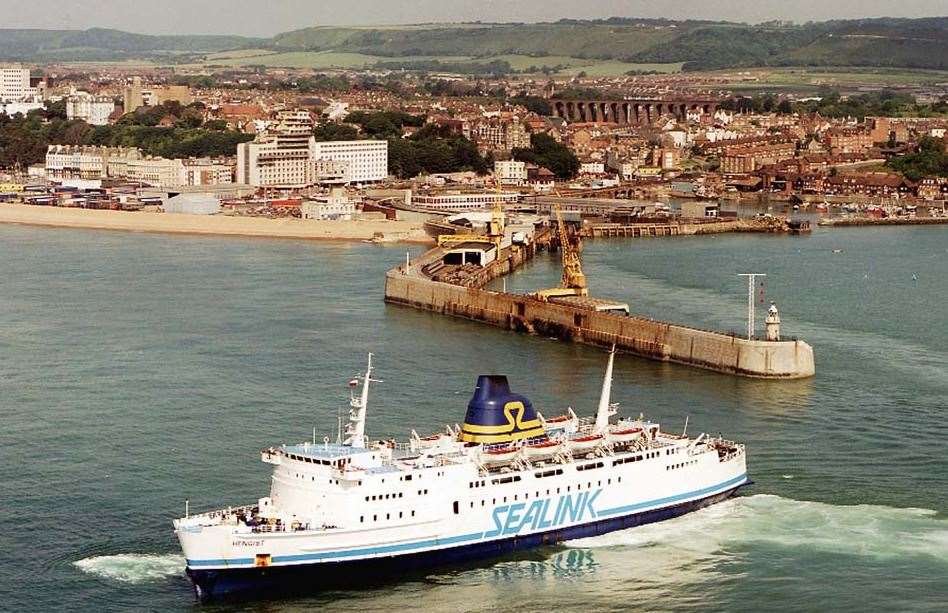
{"x": 366, "y": 160}
{"x": 286, "y": 156}
{"x": 848, "y": 140}
{"x": 65, "y": 162}
{"x": 540, "y": 179}
{"x": 15, "y": 83}
{"x": 94, "y": 110}
{"x": 335, "y": 205}
{"x": 592, "y": 168}
{"x": 747, "y": 159}
{"x": 500, "y": 134}
{"x": 20, "y": 107}
{"x": 156, "y": 172}
{"x": 282, "y": 157}
{"x": 136, "y": 95}
{"x": 207, "y": 171}
{"x": 510, "y": 172}
{"x": 459, "y": 202}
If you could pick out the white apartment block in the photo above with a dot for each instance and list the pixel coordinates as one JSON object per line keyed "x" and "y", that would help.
{"x": 267, "y": 164}
{"x": 458, "y": 202}
{"x": 163, "y": 172}
{"x": 15, "y": 83}
{"x": 286, "y": 156}
{"x": 94, "y": 110}
{"x": 592, "y": 168}
{"x": 207, "y": 171}
{"x": 336, "y": 205}
{"x": 156, "y": 172}
{"x": 21, "y": 107}
{"x": 510, "y": 172}
{"x": 366, "y": 160}
{"x": 65, "y": 162}
{"x": 282, "y": 157}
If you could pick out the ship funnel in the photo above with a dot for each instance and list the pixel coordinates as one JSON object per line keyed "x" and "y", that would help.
{"x": 497, "y": 415}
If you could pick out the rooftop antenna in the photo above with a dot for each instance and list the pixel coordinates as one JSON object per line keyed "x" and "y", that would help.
{"x": 751, "y": 291}
{"x": 606, "y": 409}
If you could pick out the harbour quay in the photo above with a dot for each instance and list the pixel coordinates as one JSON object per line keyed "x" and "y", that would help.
{"x": 412, "y": 285}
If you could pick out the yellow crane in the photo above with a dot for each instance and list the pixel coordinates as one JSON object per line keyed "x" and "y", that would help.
{"x": 573, "y": 282}
{"x": 495, "y": 231}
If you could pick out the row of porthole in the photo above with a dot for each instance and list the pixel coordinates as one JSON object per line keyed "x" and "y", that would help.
{"x": 549, "y": 492}
{"x": 387, "y": 516}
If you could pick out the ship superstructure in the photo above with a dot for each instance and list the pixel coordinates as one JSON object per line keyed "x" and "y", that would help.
{"x": 507, "y": 479}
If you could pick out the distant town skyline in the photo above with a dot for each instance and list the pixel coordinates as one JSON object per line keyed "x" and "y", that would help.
{"x": 252, "y": 18}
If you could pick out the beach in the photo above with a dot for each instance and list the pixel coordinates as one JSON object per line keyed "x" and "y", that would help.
{"x": 222, "y": 225}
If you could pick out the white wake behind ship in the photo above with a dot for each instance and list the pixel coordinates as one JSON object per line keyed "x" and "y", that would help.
{"x": 507, "y": 479}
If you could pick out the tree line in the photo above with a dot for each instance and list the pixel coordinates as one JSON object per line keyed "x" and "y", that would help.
{"x": 24, "y": 140}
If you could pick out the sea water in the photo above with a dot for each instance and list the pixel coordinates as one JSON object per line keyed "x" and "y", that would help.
{"x": 141, "y": 370}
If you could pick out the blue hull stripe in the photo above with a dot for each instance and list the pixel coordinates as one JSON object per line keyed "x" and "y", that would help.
{"x": 673, "y": 499}
{"x": 451, "y": 540}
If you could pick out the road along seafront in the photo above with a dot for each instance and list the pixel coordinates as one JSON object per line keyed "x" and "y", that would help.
{"x": 219, "y": 225}
{"x": 408, "y": 285}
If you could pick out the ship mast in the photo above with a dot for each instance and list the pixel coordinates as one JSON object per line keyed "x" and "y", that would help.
{"x": 355, "y": 429}
{"x": 606, "y": 409}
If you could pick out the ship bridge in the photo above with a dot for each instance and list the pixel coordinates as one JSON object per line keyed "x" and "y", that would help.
{"x": 325, "y": 454}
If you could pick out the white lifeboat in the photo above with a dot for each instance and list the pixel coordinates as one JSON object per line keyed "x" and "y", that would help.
{"x": 499, "y": 455}
{"x": 585, "y": 444}
{"x": 542, "y": 450}
{"x": 625, "y": 435}
{"x": 567, "y": 423}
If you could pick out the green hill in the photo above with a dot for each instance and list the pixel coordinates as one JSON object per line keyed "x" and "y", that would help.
{"x": 699, "y": 45}
{"x": 105, "y": 44}
{"x": 916, "y": 43}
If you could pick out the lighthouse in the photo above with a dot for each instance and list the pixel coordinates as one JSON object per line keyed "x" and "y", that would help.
{"x": 773, "y": 323}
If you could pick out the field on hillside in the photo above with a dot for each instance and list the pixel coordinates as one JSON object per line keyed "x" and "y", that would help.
{"x": 811, "y": 79}
{"x": 323, "y": 60}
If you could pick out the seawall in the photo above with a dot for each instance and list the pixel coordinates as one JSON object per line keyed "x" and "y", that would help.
{"x": 639, "y": 336}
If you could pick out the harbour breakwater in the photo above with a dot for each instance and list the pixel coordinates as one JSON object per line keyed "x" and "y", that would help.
{"x": 648, "y": 338}
{"x": 846, "y": 222}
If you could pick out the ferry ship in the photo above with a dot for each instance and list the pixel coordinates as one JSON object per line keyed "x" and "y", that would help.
{"x": 508, "y": 479}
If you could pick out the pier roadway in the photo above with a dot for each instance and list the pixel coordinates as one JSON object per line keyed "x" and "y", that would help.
{"x": 648, "y": 338}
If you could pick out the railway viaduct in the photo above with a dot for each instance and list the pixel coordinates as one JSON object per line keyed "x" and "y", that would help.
{"x": 632, "y": 111}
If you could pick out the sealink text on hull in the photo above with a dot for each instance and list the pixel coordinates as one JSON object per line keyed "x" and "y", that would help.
{"x": 507, "y": 479}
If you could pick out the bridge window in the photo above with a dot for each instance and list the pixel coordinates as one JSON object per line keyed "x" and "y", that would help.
{"x": 456, "y": 507}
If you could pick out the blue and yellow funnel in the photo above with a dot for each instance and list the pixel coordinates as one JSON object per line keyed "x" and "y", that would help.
{"x": 496, "y": 415}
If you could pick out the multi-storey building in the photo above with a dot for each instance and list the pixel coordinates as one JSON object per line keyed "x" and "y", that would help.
{"x": 366, "y": 160}
{"x": 156, "y": 172}
{"x": 15, "y": 83}
{"x": 136, "y": 95}
{"x": 743, "y": 160}
{"x": 335, "y": 205}
{"x": 500, "y": 134}
{"x": 65, "y": 162}
{"x": 94, "y": 110}
{"x": 282, "y": 157}
{"x": 848, "y": 140}
{"x": 207, "y": 171}
{"x": 458, "y": 202}
{"x": 510, "y": 172}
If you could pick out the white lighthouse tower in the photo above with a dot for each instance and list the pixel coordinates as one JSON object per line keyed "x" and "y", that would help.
{"x": 773, "y": 323}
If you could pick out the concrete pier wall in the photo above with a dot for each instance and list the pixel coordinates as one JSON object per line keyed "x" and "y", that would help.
{"x": 643, "y": 337}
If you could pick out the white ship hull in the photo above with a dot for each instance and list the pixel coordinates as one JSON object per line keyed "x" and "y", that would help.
{"x": 491, "y": 520}
{"x": 339, "y": 513}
